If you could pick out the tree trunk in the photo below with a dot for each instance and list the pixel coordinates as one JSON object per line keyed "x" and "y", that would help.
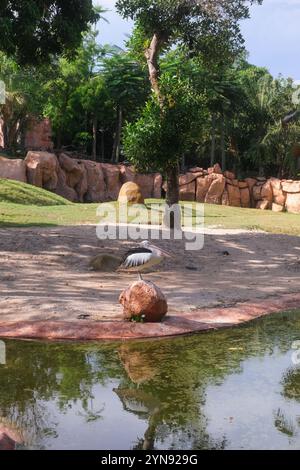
{"x": 172, "y": 219}
{"x": 223, "y": 143}
{"x": 117, "y": 141}
{"x": 213, "y": 140}
{"x": 102, "y": 146}
{"x": 95, "y": 129}
{"x": 151, "y": 55}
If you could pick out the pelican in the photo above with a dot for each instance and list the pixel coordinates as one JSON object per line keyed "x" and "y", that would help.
{"x": 143, "y": 257}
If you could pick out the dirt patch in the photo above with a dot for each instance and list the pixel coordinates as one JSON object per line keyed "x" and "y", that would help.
{"x": 45, "y": 279}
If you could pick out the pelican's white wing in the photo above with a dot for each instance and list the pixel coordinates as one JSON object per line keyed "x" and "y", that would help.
{"x": 137, "y": 259}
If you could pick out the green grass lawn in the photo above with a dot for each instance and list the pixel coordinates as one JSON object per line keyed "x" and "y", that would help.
{"x": 25, "y": 205}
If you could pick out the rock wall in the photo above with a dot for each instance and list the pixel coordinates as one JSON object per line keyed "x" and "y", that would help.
{"x": 215, "y": 187}
{"x": 78, "y": 180}
{"x": 88, "y": 181}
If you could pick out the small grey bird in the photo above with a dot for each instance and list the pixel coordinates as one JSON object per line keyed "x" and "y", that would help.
{"x": 143, "y": 257}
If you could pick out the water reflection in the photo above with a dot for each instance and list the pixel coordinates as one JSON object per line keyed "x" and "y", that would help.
{"x": 229, "y": 389}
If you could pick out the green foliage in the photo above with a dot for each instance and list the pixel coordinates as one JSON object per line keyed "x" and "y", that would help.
{"x": 159, "y": 138}
{"x": 35, "y": 30}
{"x": 210, "y": 27}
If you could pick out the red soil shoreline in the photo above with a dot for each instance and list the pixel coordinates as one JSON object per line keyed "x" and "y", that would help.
{"x": 173, "y": 325}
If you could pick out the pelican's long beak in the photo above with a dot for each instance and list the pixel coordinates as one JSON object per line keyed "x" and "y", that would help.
{"x": 163, "y": 252}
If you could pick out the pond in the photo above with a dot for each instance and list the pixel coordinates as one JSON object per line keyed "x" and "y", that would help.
{"x": 232, "y": 389}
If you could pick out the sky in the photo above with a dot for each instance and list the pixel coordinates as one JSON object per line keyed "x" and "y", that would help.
{"x": 272, "y": 34}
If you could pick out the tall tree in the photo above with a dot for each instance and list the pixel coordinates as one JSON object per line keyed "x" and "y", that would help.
{"x": 207, "y": 27}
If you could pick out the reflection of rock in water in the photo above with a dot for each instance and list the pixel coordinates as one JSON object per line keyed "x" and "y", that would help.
{"x": 140, "y": 367}
{"x": 137, "y": 363}
{"x": 10, "y": 435}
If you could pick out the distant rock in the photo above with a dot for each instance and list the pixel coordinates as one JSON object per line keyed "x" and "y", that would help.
{"x": 130, "y": 193}
{"x": 42, "y": 169}
{"x": 105, "y": 263}
{"x": 13, "y": 169}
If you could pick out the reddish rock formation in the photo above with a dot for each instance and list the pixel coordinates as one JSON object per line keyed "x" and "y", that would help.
{"x": 293, "y": 202}
{"x": 143, "y": 298}
{"x": 225, "y": 198}
{"x": 263, "y": 205}
{"x": 234, "y": 195}
{"x": 42, "y": 169}
{"x": 130, "y": 193}
{"x": 216, "y": 189}
{"x": 39, "y": 135}
{"x": 9, "y": 438}
{"x": 62, "y": 188}
{"x": 95, "y": 182}
{"x": 187, "y": 187}
{"x": 157, "y": 186}
{"x": 127, "y": 173}
{"x": 215, "y": 169}
{"x": 279, "y": 197}
{"x": 291, "y": 186}
{"x": 13, "y": 169}
{"x": 245, "y": 197}
{"x": 267, "y": 192}
{"x": 146, "y": 183}
{"x": 203, "y": 185}
{"x": 230, "y": 175}
{"x": 277, "y": 207}
{"x": 112, "y": 181}
{"x": 76, "y": 174}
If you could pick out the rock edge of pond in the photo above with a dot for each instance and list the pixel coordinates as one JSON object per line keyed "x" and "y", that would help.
{"x": 174, "y": 325}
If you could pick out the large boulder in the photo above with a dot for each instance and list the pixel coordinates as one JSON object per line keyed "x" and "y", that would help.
{"x": 245, "y": 197}
{"x": 144, "y": 300}
{"x": 13, "y": 169}
{"x": 105, "y": 263}
{"x": 291, "y": 186}
{"x": 277, "y": 207}
{"x": 234, "y": 195}
{"x": 203, "y": 185}
{"x": 216, "y": 189}
{"x": 256, "y": 192}
{"x": 293, "y": 203}
{"x": 76, "y": 174}
{"x": 130, "y": 193}
{"x": 42, "y": 169}
{"x": 263, "y": 205}
{"x": 187, "y": 187}
{"x": 146, "y": 183}
{"x": 215, "y": 169}
{"x": 267, "y": 192}
{"x": 112, "y": 181}
{"x": 62, "y": 188}
{"x": 279, "y": 197}
{"x": 95, "y": 182}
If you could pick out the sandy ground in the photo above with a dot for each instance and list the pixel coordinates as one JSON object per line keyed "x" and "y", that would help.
{"x": 44, "y": 273}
